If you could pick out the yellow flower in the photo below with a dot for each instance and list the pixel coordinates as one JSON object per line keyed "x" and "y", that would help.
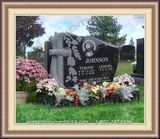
{"x": 111, "y": 85}
{"x": 95, "y": 89}
{"x": 62, "y": 90}
{"x": 116, "y": 84}
{"x": 105, "y": 83}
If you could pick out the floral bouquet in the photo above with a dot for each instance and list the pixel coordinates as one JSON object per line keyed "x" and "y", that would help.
{"x": 108, "y": 88}
{"x": 128, "y": 89}
{"x": 124, "y": 79}
{"x": 92, "y": 91}
{"x": 28, "y": 72}
{"x": 122, "y": 89}
{"x": 48, "y": 92}
{"x": 47, "y": 86}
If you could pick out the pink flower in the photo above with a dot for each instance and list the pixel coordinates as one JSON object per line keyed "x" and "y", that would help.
{"x": 30, "y": 70}
{"x": 17, "y": 77}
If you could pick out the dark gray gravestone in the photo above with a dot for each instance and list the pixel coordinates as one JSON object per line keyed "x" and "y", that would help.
{"x": 47, "y": 63}
{"x": 139, "y": 74}
{"x": 127, "y": 52}
{"x": 79, "y": 59}
{"x": 140, "y": 56}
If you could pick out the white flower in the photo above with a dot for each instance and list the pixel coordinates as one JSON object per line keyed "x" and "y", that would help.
{"x": 123, "y": 79}
{"x": 50, "y": 94}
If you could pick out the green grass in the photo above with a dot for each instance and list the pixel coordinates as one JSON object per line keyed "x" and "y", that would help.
{"x": 124, "y": 67}
{"x": 129, "y": 111}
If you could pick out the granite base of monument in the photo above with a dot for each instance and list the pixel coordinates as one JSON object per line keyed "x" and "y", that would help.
{"x": 139, "y": 78}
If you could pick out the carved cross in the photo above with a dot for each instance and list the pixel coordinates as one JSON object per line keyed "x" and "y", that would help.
{"x": 56, "y": 69}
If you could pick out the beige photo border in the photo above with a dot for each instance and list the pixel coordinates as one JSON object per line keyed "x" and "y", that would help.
{"x": 12, "y": 129}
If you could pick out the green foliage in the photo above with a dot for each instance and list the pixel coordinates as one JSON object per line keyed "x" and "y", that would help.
{"x": 27, "y": 28}
{"x": 38, "y": 49}
{"x": 37, "y": 55}
{"x": 21, "y": 85}
{"x": 20, "y": 51}
{"x": 31, "y": 97}
{"x": 106, "y": 28}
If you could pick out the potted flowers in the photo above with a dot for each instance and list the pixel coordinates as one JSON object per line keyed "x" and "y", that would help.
{"x": 28, "y": 72}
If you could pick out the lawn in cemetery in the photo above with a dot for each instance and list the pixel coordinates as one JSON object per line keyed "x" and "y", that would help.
{"x": 132, "y": 111}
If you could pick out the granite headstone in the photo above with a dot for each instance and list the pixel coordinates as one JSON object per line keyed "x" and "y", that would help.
{"x": 139, "y": 74}
{"x": 127, "y": 52}
{"x": 79, "y": 59}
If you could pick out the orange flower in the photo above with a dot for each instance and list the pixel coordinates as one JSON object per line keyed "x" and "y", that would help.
{"x": 69, "y": 91}
{"x": 73, "y": 93}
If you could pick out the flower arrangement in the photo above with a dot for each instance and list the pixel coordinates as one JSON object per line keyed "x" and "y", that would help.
{"x": 93, "y": 90}
{"x": 124, "y": 79}
{"x": 47, "y": 86}
{"x": 28, "y": 73}
{"x": 52, "y": 93}
{"x": 122, "y": 89}
{"x": 108, "y": 88}
{"x": 127, "y": 92}
{"x": 83, "y": 95}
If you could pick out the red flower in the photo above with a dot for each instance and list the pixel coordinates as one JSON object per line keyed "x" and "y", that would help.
{"x": 75, "y": 100}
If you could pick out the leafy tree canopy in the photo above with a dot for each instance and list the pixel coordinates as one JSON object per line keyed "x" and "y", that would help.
{"x": 27, "y": 28}
{"x": 106, "y": 28}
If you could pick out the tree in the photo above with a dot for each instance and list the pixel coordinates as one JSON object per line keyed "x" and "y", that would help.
{"x": 27, "y": 28}
{"x": 106, "y": 28}
{"x": 38, "y": 47}
{"x": 131, "y": 42}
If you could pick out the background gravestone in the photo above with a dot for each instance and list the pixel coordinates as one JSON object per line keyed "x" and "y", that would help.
{"x": 127, "y": 52}
{"x": 139, "y": 74}
{"x": 82, "y": 59}
{"x": 140, "y": 56}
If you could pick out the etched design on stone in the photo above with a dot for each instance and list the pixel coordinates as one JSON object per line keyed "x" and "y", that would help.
{"x": 76, "y": 53}
{"x": 71, "y": 61}
{"x": 72, "y": 44}
{"x": 89, "y": 48}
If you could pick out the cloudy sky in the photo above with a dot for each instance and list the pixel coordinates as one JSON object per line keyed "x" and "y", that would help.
{"x": 131, "y": 25}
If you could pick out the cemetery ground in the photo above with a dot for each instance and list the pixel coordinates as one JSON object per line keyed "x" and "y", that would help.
{"x": 132, "y": 111}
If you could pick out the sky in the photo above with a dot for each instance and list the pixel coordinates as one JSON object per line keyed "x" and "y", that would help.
{"x": 131, "y": 25}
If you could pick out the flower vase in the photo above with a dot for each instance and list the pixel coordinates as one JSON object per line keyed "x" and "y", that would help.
{"x": 21, "y": 97}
